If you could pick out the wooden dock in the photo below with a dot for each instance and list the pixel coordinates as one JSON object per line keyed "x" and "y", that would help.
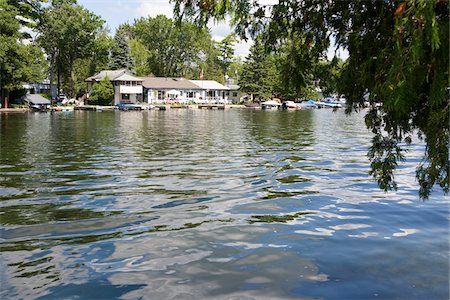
{"x": 211, "y": 106}
{"x": 94, "y": 107}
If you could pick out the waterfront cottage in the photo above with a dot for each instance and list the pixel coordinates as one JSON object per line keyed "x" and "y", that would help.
{"x": 168, "y": 89}
{"x": 234, "y": 94}
{"x": 127, "y": 87}
{"x": 212, "y": 91}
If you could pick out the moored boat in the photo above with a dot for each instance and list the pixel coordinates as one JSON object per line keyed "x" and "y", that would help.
{"x": 291, "y": 105}
{"x": 307, "y": 104}
{"x": 271, "y": 104}
{"x": 328, "y": 104}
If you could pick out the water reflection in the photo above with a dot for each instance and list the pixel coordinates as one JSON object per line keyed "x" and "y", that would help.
{"x": 210, "y": 204}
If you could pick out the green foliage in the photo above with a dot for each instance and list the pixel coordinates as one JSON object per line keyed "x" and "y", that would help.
{"x": 85, "y": 67}
{"x": 102, "y": 93}
{"x": 19, "y": 62}
{"x": 69, "y": 32}
{"x": 226, "y": 51}
{"x": 46, "y": 96}
{"x": 120, "y": 53}
{"x": 398, "y": 54}
{"x": 139, "y": 54}
{"x": 173, "y": 49}
{"x": 327, "y": 74}
{"x": 259, "y": 73}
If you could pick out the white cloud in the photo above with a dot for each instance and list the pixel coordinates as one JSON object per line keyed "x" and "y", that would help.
{"x": 153, "y": 8}
{"x": 242, "y": 49}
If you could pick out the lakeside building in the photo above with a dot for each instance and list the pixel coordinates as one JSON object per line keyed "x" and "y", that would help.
{"x": 131, "y": 89}
{"x": 43, "y": 87}
{"x": 235, "y": 95}
{"x": 127, "y": 87}
{"x": 212, "y": 91}
{"x": 163, "y": 89}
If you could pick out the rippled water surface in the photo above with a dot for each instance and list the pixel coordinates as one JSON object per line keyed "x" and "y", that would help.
{"x": 195, "y": 204}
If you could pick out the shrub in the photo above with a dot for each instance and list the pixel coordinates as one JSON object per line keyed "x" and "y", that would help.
{"x": 102, "y": 93}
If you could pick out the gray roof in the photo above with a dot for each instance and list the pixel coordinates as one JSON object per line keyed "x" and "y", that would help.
{"x": 169, "y": 83}
{"x": 36, "y": 99}
{"x": 114, "y": 75}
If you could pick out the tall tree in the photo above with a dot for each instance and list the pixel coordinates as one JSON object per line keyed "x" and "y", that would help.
{"x": 19, "y": 62}
{"x": 398, "y": 53}
{"x": 139, "y": 55}
{"x": 173, "y": 49}
{"x": 120, "y": 53}
{"x": 297, "y": 63}
{"x": 226, "y": 49}
{"x": 68, "y": 32}
{"x": 258, "y": 72}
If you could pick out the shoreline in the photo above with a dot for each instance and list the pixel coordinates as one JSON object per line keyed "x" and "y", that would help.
{"x": 14, "y": 110}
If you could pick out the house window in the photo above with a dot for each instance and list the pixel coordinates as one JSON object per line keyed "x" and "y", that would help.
{"x": 235, "y": 94}
{"x": 125, "y": 96}
{"x": 190, "y": 95}
{"x": 160, "y": 95}
{"x": 210, "y": 94}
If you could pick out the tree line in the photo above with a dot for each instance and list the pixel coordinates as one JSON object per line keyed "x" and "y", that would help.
{"x": 66, "y": 43}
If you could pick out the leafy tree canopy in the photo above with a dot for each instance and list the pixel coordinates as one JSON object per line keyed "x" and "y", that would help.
{"x": 19, "y": 62}
{"x": 259, "y": 73}
{"x": 226, "y": 51}
{"x": 68, "y": 32}
{"x": 398, "y": 55}
{"x": 172, "y": 49}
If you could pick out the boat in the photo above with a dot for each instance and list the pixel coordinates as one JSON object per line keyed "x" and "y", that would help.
{"x": 328, "y": 104}
{"x": 291, "y": 105}
{"x": 129, "y": 106}
{"x": 252, "y": 105}
{"x": 307, "y": 104}
{"x": 62, "y": 108}
{"x": 271, "y": 104}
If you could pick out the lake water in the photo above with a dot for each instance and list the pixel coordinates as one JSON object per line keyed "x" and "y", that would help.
{"x": 199, "y": 204}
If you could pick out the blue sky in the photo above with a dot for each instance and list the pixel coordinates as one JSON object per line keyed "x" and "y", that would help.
{"x": 116, "y": 12}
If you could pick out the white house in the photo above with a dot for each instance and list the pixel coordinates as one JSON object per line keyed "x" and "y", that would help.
{"x": 212, "y": 91}
{"x": 168, "y": 89}
{"x": 127, "y": 87}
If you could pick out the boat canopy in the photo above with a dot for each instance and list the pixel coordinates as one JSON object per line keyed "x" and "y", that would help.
{"x": 270, "y": 102}
{"x": 35, "y": 99}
